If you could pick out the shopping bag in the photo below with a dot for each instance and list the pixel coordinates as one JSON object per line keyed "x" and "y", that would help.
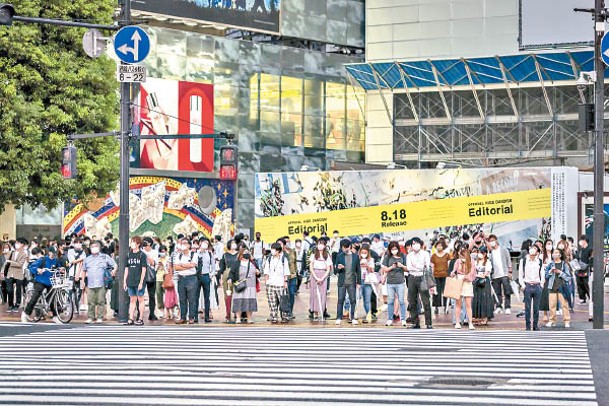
{"x": 453, "y": 288}
{"x": 360, "y": 313}
{"x": 284, "y": 304}
{"x": 515, "y": 290}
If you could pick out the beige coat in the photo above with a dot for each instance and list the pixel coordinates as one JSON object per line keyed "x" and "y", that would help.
{"x": 16, "y": 270}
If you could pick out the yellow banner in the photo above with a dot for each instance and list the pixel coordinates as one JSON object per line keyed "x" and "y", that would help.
{"x": 497, "y": 208}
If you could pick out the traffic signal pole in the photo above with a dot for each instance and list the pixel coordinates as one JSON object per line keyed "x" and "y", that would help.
{"x": 598, "y": 243}
{"x": 123, "y": 222}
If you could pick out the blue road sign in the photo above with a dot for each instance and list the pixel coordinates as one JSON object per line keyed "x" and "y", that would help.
{"x": 131, "y": 44}
{"x": 605, "y": 48}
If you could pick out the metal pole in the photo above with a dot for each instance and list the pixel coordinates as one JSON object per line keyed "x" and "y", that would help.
{"x": 63, "y": 23}
{"x": 599, "y": 171}
{"x": 123, "y": 227}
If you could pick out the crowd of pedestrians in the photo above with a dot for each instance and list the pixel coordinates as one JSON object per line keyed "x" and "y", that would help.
{"x": 189, "y": 277}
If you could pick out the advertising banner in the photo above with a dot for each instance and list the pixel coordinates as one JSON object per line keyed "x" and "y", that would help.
{"x": 255, "y": 15}
{"x": 159, "y": 205}
{"x": 515, "y": 204}
{"x": 175, "y": 107}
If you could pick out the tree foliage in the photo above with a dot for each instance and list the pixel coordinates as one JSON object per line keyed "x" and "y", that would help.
{"x": 50, "y": 88}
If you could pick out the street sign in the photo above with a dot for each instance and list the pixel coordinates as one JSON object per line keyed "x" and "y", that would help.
{"x": 605, "y": 48}
{"x": 94, "y": 43}
{"x": 131, "y": 73}
{"x": 131, "y": 44}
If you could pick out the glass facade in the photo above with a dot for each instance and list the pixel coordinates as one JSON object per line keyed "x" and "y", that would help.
{"x": 289, "y": 106}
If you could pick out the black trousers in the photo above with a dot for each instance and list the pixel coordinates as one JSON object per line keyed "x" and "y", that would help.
{"x": 14, "y": 288}
{"x": 39, "y": 289}
{"x": 439, "y": 300}
{"x": 373, "y": 305}
{"x": 502, "y": 290}
{"x": 342, "y": 294}
{"x": 151, "y": 288}
{"x": 583, "y": 290}
{"x": 414, "y": 293}
{"x": 205, "y": 284}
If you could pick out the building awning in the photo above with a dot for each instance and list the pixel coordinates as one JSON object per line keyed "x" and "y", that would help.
{"x": 516, "y": 69}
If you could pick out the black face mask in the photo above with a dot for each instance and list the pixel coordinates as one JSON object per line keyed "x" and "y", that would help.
{"x": 246, "y": 256}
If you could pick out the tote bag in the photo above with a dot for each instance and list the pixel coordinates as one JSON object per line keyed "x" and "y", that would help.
{"x": 454, "y": 287}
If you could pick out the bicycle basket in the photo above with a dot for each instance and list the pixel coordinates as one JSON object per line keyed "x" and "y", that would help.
{"x": 59, "y": 280}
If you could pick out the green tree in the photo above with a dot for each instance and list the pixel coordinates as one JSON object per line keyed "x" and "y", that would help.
{"x": 50, "y": 88}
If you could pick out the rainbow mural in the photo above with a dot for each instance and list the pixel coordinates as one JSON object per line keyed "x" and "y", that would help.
{"x": 160, "y": 205}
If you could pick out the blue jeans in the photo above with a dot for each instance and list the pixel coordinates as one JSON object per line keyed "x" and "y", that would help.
{"x": 187, "y": 290}
{"x": 398, "y": 290}
{"x": 532, "y": 293}
{"x": 292, "y": 288}
{"x": 367, "y": 295}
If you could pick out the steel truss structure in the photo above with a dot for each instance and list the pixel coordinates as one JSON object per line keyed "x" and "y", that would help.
{"x": 493, "y": 111}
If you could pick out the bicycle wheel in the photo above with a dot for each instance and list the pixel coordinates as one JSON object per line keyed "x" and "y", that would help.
{"x": 63, "y": 306}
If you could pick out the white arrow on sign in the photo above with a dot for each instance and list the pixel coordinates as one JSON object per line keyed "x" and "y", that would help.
{"x": 124, "y": 49}
{"x": 606, "y": 53}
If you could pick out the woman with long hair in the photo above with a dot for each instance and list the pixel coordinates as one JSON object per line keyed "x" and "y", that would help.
{"x": 226, "y": 263}
{"x": 370, "y": 279}
{"x": 465, "y": 270}
{"x": 439, "y": 265}
{"x": 244, "y": 269}
{"x": 393, "y": 267}
{"x": 558, "y": 275}
{"x": 482, "y": 304}
{"x": 319, "y": 268}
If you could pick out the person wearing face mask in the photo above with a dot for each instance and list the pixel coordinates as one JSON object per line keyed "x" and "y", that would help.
{"x": 205, "y": 269}
{"x": 76, "y": 256}
{"x": 276, "y": 271}
{"x": 349, "y": 279}
{"x": 15, "y": 276}
{"x": 94, "y": 267}
{"x": 301, "y": 261}
{"x": 6, "y": 253}
{"x": 584, "y": 256}
{"x": 370, "y": 280}
{"x": 335, "y": 245}
{"x": 417, "y": 262}
{"x": 227, "y": 261}
{"x": 319, "y": 269}
{"x": 162, "y": 269}
{"x": 184, "y": 264}
{"x": 393, "y": 266}
{"x": 243, "y": 268}
{"x": 558, "y": 275}
{"x": 482, "y": 304}
{"x": 439, "y": 265}
{"x": 40, "y": 269}
{"x": 502, "y": 273}
{"x": 532, "y": 278}
{"x": 134, "y": 281}
{"x": 258, "y": 249}
{"x": 294, "y": 271}
{"x": 152, "y": 256}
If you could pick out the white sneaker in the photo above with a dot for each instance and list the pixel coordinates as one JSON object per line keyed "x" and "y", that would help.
{"x": 99, "y": 321}
{"x": 559, "y": 312}
{"x": 337, "y": 323}
{"x": 56, "y": 320}
{"x": 508, "y": 311}
{"x": 25, "y": 318}
{"x": 458, "y": 326}
{"x": 404, "y": 323}
{"x": 354, "y": 322}
{"x": 550, "y": 324}
{"x": 498, "y": 310}
{"x": 471, "y": 327}
{"x": 383, "y": 307}
{"x": 88, "y": 321}
{"x": 567, "y": 324}
{"x": 389, "y": 323}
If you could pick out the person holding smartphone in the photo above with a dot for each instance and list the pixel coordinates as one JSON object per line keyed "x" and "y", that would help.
{"x": 393, "y": 267}
{"x": 558, "y": 274}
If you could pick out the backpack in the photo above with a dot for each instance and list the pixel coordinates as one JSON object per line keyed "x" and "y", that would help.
{"x": 200, "y": 263}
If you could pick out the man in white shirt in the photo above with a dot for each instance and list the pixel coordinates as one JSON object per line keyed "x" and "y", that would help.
{"x": 502, "y": 273}
{"x": 532, "y": 278}
{"x": 377, "y": 245}
{"x": 276, "y": 272}
{"x": 417, "y": 262}
{"x": 184, "y": 263}
{"x": 258, "y": 249}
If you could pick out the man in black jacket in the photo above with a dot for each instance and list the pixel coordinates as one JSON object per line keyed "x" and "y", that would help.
{"x": 349, "y": 279}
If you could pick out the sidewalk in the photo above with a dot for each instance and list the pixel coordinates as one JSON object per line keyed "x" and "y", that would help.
{"x": 579, "y": 319}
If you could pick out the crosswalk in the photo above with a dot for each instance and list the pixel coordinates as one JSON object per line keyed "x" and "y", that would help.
{"x": 158, "y": 365}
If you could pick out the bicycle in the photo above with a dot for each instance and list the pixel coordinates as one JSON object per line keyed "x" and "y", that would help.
{"x": 57, "y": 297}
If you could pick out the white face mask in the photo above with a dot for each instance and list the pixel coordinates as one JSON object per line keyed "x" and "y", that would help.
{"x": 480, "y": 256}
{"x": 321, "y": 247}
{"x": 162, "y": 255}
{"x": 77, "y": 246}
{"x": 204, "y": 246}
{"x": 532, "y": 252}
{"x": 273, "y": 252}
{"x": 335, "y": 235}
{"x": 493, "y": 244}
{"x": 133, "y": 245}
{"x": 298, "y": 245}
{"x": 394, "y": 251}
{"x": 6, "y": 250}
{"x": 94, "y": 250}
{"x": 416, "y": 247}
{"x": 364, "y": 256}
{"x": 556, "y": 256}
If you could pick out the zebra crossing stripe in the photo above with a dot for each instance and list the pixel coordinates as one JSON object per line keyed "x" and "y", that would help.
{"x": 107, "y": 364}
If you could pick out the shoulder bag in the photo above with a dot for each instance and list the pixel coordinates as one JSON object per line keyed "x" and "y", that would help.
{"x": 241, "y": 284}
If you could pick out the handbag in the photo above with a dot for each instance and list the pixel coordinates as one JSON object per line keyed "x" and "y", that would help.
{"x": 168, "y": 282}
{"x": 428, "y": 280}
{"x": 284, "y": 304}
{"x": 150, "y": 274}
{"x": 480, "y": 282}
{"x": 241, "y": 284}
{"x": 453, "y": 288}
{"x": 575, "y": 265}
{"x": 108, "y": 279}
